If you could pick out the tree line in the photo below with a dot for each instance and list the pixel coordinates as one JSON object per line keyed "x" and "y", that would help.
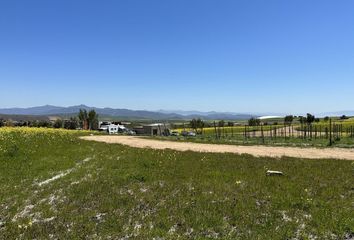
{"x": 84, "y": 120}
{"x": 198, "y": 124}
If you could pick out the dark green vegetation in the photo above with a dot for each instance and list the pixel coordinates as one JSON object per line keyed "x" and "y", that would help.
{"x": 113, "y": 191}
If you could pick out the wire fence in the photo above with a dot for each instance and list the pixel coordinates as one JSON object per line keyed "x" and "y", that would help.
{"x": 331, "y": 131}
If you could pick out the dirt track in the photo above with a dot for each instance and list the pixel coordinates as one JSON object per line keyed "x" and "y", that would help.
{"x": 313, "y": 153}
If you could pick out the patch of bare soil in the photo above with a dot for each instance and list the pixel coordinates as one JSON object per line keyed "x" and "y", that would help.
{"x": 259, "y": 151}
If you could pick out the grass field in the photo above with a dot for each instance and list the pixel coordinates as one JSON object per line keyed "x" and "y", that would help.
{"x": 55, "y": 186}
{"x": 322, "y": 125}
{"x": 344, "y": 142}
{"x": 210, "y": 131}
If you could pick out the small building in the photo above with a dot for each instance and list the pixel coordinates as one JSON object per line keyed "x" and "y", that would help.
{"x": 139, "y": 130}
{"x": 156, "y": 129}
{"x": 52, "y": 119}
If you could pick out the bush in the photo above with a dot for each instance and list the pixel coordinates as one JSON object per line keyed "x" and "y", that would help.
{"x": 254, "y": 122}
{"x": 343, "y": 117}
{"x": 71, "y": 124}
{"x": 58, "y": 123}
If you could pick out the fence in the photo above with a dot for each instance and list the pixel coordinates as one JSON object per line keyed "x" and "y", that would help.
{"x": 330, "y": 131}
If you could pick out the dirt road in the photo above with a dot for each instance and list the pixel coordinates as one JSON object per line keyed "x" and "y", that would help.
{"x": 259, "y": 151}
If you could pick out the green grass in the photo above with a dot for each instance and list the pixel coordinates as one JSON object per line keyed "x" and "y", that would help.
{"x": 344, "y": 142}
{"x": 346, "y": 125}
{"x": 146, "y": 194}
{"x": 210, "y": 131}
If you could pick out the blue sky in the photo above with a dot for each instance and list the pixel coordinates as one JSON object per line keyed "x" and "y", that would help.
{"x": 239, "y": 56}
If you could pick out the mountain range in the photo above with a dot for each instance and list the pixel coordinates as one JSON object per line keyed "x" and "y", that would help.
{"x": 49, "y": 110}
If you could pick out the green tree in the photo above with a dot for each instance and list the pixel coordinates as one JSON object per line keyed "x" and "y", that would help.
{"x": 221, "y": 123}
{"x": 43, "y": 123}
{"x": 302, "y": 119}
{"x": 83, "y": 117}
{"x": 72, "y": 123}
{"x": 288, "y": 120}
{"x": 200, "y": 125}
{"x": 254, "y": 122}
{"x": 9, "y": 123}
{"x": 58, "y": 123}
{"x": 343, "y": 117}
{"x": 194, "y": 124}
{"x": 92, "y": 120}
{"x": 310, "y": 119}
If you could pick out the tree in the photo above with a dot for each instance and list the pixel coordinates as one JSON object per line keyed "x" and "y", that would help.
{"x": 343, "y": 117}
{"x": 200, "y": 124}
{"x": 221, "y": 123}
{"x": 194, "y": 124}
{"x": 326, "y": 119}
{"x": 92, "y": 120}
{"x": 310, "y": 119}
{"x": 72, "y": 123}
{"x": 230, "y": 124}
{"x": 58, "y": 123}
{"x": 9, "y": 123}
{"x": 254, "y": 122}
{"x": 83, "y": 117}
{"x": 43, "y": 123}
{"x": 288, "y": 120}
{"x": 302, "y": 119}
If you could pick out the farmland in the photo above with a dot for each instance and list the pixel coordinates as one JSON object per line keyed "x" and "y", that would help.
{"x": 210, "y": 131}
{"x": 322, "y": 133}
{"x": 55, "y": 185}
{"x": 239, "y": 139}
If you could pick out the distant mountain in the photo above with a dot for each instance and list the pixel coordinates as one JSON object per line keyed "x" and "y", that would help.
{"x": 49, "y": 110}
{"x": 338, "y": 113}
{"x": 222, "y": 116}
{"x": 189, "y": 113}
{"x": 42, "y": 110}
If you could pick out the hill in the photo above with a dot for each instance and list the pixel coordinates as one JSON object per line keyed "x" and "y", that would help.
{"x": 49, "y": 110}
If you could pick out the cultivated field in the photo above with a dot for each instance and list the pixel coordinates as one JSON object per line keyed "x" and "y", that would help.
{"x": 57, "y": 186}
{"x": 338, "y": 133}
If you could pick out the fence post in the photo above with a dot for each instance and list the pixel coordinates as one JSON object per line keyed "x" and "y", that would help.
{"x": 330, "y": 132}
{"x": 216, "y": 134}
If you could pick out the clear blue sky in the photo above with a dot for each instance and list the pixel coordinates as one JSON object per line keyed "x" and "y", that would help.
{"x": 237, "y": 55}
